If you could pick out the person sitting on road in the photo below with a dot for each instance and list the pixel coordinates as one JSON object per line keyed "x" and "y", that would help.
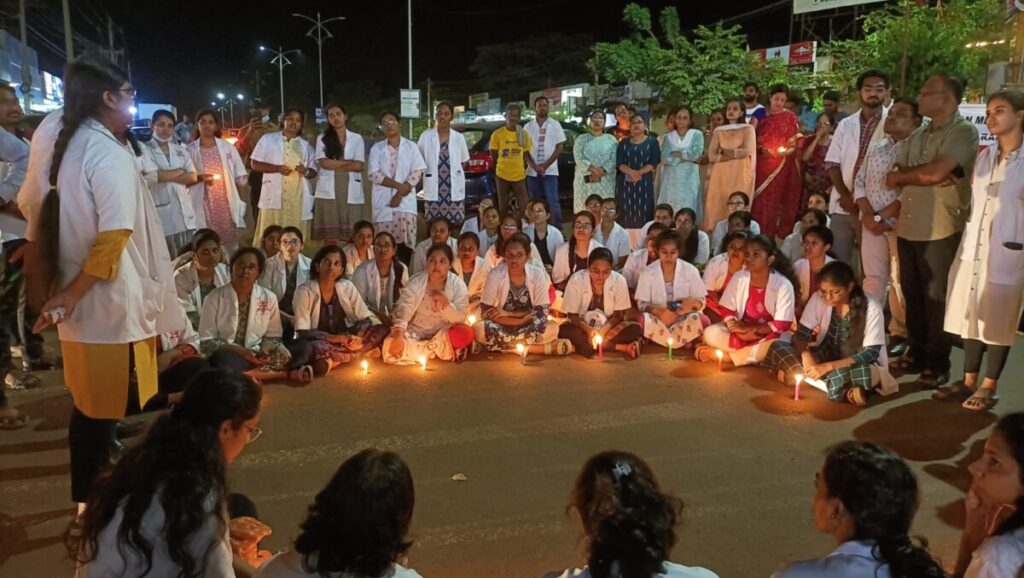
{"x": 440, "y": 233}
{"x": 510, "y": 225}
{"x": 597, "y": 301}
{"x": 286, "y": 271}
{"x": 696, "y": 245}
{"x": 793, "y": 244}
{"x": 202, "y": 274}
{"x": 359, "y": 248}
{"x": 722, "y": 267}
{"x": 545, "y": 236}
{"x": 573, "y": 256}
{"x": 817, "y": 244}
{"x": 593, "y": 204}
{"x": 270, "y": 242}
{"x": 380, "y": 281}
{"x": 475, "y": 224}
{"x": 490, "y": 229}
{"x": 670, "y": 294}
{"x": 357, "y": 526}
{"x": 866, "y": 496}
{"x": 610, "y": 234}
{"x": 429, "y": 315}
{"x": 664, "y": 214}
{"x": 629, "y": 522}
{"x": 473, "y": 270}
{"x": 739, "y": 202}
{"x": 640, "y": 259}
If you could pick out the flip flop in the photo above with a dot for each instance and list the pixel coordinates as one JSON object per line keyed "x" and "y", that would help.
{"x": 980, "y": 402}
{"x": 634, "y": 350}
{"x": 305, "y": 374}
{"x": 957, "y": 389}
{"x": 17, "y": 421}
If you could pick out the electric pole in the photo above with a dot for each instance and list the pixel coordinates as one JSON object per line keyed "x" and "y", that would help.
{"x": 281, "y": 59}
{"x": 409, "y": 4}
{"x": 69, "y": 45}
{"x": 26, "y": 69}
{"x": 322, "y": 33}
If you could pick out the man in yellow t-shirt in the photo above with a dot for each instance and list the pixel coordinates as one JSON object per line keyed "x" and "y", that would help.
{"x": 510, "y": 149}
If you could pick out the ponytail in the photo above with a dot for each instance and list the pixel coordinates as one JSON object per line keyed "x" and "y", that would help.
{"x": 906, "y": 557}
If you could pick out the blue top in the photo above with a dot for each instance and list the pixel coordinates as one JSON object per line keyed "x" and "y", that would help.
{"x": 850, "y": 560}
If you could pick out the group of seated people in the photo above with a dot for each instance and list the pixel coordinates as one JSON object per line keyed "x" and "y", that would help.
{"x": 500, "y": 286}
{"x": 165, "y": 509}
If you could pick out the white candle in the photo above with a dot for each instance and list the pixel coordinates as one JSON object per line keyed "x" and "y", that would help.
{"x": 423, "y": 362}
{"x": 521, "y": 349}
{"x": 366, "y": 367}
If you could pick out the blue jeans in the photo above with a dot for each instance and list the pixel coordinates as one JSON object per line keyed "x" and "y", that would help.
{"x": 546, "y": 187}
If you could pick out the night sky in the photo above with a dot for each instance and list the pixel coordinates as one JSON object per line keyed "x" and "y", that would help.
{"x": 185, "y": 57}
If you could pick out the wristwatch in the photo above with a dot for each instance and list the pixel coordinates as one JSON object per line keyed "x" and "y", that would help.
{"x": 878, "y": 218}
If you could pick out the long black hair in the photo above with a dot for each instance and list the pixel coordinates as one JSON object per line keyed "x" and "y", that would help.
{"x": 840, "y": 274}
{"x": 323, "y": 252}
{"x": 180, "y": 463}
{"x": 626, "y": 516}
{"x": 396, "y": 265}
{"x": 781, "y": 265}
{"x": 332, "y": 144}
{"x": 86, "y": 79}
{"x": 1011, "y": 427}
{"x": 691, "y": 244}
{"x": 358, "y": 524}
{"x": 572, "y": 238}
{"x": 879, "y": 491}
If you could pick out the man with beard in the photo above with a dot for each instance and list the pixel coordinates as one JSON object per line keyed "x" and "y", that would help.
{"x": 755, "y": 110}
{"x": 259, "y": 125}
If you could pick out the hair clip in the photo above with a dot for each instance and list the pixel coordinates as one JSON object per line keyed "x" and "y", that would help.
{"x": 621, "y": 469}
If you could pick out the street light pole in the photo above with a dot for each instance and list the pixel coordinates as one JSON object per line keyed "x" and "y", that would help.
{"x": 281, "y": 59}
{"x": 321, "y": 33}
{"x": 231, "y": 102}
{"x": 409, "y": 4}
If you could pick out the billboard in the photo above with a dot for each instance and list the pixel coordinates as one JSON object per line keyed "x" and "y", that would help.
{"x": 804, "y": 6}
{"x": 793, "y": 54}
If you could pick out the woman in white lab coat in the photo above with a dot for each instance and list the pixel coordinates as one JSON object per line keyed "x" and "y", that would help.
{"x": 288, "y": 164}
{"x": 610, "y": 234}
{"x": 107, "y": 274}
{"x": 359, "y": 249}
{"x": 331, "y": 315}
{"x": 510, "y": 225}
{"x": 380, "y": 281}
{"x": 205, "y": 272}
{"x": 670, "y": 294}
{"x": 986, "y": 282}
{"x": 575, "y": 253}
{"x": 472, "y": 269}
{"x": 285, "y": 271}
{"x": 640, "y": 259}
{"x": 757, "y": 307}
{"x": 341, "y": 184}
{"x": 840, "y": 341}
{"x": 439, "y": 233}
{"x": 490, "y": 229}
{"x": 546, "y": 237}
{"x": 396, "y": 167}
{"x": 817, "y": 244}
{"x": 430, "y": 314}
{"x": 178, "y": 360}
{"x": 216, "y": 203}
{"x": 446, "y": 155}
{"x": 475, "y": 224}
{"x": 240, "y": 327}
{"x": 175, "y": 173}
{"x": 596, "y": 301}
{"x": 721, "y": 268}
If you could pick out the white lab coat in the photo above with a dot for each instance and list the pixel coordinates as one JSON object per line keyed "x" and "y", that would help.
{"x": 687, "y": 284}
{"x": 367, "y": 282}
{"x": 270, "y": 150}
{"x": 497, "y": 286}
{"x": 409, "y": 161}
{"x": 172, "y": 200}
{"x": 220, "y": 316}
{"x": 475, "y": 287}
{"x": 617, "y": 241}
{"x": 818, "y": 314}
{"x": 306, "y": 303}
{"x": 493, "y": 259}
{"x": 101, "y": 190}
{"x": 275, "y": 275}
{"x": 458, "y": 154}
{"x": 560, "y": 271}
{"x": 579, "y": 292}
{"x": 553, "y": 240}
{"x": 722, "y": 229}
{"x": 37, "y": 178}
{"x": 715, "y": 272}
{"x": 187, "y": 336}
{"x": 355, "y": 150}
{"x": 802, "y": 268}
{"x": 416, "y": 290}
{"x": 703, "y": 248}
{"x": 186, "y": 283}
{"x": 844, "y": 149}
{"x": 778, "y": 298}
{"x": 986, "y": 281}
{"x": 352, "y": 260}
{"x": 419, "y": 254}
{"x": 234, "y": 176}
{"x": 635, "y": 265}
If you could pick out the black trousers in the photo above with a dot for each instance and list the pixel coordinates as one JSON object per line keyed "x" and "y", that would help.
{"x": 924, "y": 271}
{"x": 255, "y": 188}
{"x": 974, "y": 350}
{"x": 174, "y": 379}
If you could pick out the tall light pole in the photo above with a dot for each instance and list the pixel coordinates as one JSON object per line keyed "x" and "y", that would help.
{"x": 231, "y": 102}
{"x": 409, "y": 4}
{"x": 221, "y": 109}
{"x": 281, "y": 59}
{"x": 322, "y": 33}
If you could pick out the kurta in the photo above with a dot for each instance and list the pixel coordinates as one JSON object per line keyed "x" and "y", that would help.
{"x": 290, "y": 213}
{"x": 590, "y": 150}
{"x": 680, "y": 175}
{"x": 727, "y": 176}
{"x": 636, "y": 200}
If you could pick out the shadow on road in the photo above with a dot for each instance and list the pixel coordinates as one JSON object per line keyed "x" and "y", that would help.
{"x": 14, "y": 538}
{"x": 55, "y": 412}
{"x": 925, "y": 430}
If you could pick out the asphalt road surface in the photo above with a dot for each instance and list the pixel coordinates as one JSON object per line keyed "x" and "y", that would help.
{"x": 734, "y": 445}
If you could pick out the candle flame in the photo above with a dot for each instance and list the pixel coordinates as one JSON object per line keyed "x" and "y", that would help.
{"x": 718, "y": 354}
{"x": 799, "y": 378}
{"x": 471, "y": 320}
{"x": 365, "y": 365}
{"x": 423, "y": 361}
{"x": 670, "y": 342}
{"x": 782, "y": 149}
{"x": 598, "y": 340}
{"x": 520, "y": 347}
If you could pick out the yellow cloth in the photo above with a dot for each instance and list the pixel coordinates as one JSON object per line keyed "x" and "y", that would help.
{"x": 97, "y": 375}
{"x": 511, "y": 159}
{"x": 105, "y": 253}
{"x": 290, "y": 213}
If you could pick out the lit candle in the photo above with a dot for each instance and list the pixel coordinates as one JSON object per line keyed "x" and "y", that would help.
{"x": 719, "y": 355}
{"x": 366, "y": 367}
{"x": 216, "y": 176}
{"x": 796, "y": 392}
{"x": 471, "y": 320}
{"x": 423, "y": 362}
{"x": 782, "y": 150}
{"x": 521, "y": 349}
{"x": 670, "y": 349}
{"x": 599, "y": 344}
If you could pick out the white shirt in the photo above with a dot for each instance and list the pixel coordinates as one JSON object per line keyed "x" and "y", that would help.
{"x": 367, "y": 282}
{"x": 409, "y": 167}
{"x": 672, "y": 570}
{"x": 275, "y": 275}
{"x": 173, "y": 203}
{"x": 186, "y": 284}
{"x": 635, "y": 265}
{"x": 288, "y": 564}
{"x": 843, "y": 151}
{"x": 722, "y": 229}
{"x": 416, "y": 291}
{"x": 355, "y": 150}
{"x": 579, "y": 291}
{"x": 101, "y": 190}
{"x": 617, "y": 241}
{"x": 493, "y": 259}
{"x": 778, "y": 297}
{"x": 802, "y": 268}
{"x": 998, "y": 556}
{"x": 307, "y": 298}
{"x": 497, "y": 285}
{"x": 716, "y": 271}
{"x": 352, "y": 260}
{"x": 850, "y": 560}
{"x": 475, "y": 286}
{"x": 219, "y": 319}
{"x": 544, "y": 146}
{"x": 686, "y": 284}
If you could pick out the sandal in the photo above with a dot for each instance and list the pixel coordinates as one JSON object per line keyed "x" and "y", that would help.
{"x": 980, "y": 401}
{"x": 16, "y": 420}
{"x": 20, "y": 381}
{"x": 303, "y": 375}
{"x": 857, "y": 396}
{"x": 633, "y": 351}
{"x": 559, "y": 347}
{"x": 957, "y": 389}
{"x": 928, "y": 379}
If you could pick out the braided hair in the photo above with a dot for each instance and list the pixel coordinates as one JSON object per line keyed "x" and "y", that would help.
{"x": 332, "y": 144}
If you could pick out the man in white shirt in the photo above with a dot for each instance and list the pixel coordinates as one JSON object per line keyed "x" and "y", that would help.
{"x": 845, "y": 155}
{"x": 547, "y": 137}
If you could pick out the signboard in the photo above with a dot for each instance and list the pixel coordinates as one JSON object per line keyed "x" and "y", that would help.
{"x": 321, "y": 117}
{"x": 489, "y": 106}
{"x": 975, "y": 114}
{"x": 805, "y": 6}
{"x": 793, "y": 54}
{"x": 410, "y": 99}
{"x": 476, "y": 99}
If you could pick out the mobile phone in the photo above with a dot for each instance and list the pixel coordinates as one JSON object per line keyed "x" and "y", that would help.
{"x": 587, "y": 178}
{"x": 1013, "y": 246}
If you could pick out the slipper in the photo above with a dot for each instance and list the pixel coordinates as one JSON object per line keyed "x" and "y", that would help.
{"x": 305, "y": 374}
{"x": 957, "y": 389}
{"x": 633, "y": 351}
{"x": 461, "y": 355}
{"x": 17, "y": 421}
{"x": 21, "y": 381}
{"x": 980, "y": 402}
{"x": 857, "y": 396}
{"x": 928, "y": 379}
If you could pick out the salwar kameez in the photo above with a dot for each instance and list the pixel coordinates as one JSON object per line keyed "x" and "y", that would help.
{"x": 290, "y": 213}
{"x": 444, "y": 207}
{"x": 215, "y": 202}
{"x": 680, "y": 175}
{"x": 636, "y": 200}
{"x": 504, "y": 338}
{"x": 597, "y": 151}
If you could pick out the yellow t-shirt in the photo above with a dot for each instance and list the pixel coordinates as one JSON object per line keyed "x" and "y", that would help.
{"x": 511, "y": 162}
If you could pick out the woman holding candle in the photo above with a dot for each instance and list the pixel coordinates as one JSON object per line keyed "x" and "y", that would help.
{"x": 215, "y": 199}
{"x": 546, "y": 237}
{"x": 331, "y": 315}
{"x": 757, "y": 307}
{"x": 204, "y": 273}
{"x": 288, "y": 164}
{"x": 515, "y": 303}
{"x": 840, "y": 341}
{"x": 380, "y": 281}
{"x": 596, "y": 301}
{"x": 429, "y": 315}
{"x": 722, "y": 267}
{"x": 696, "y": 244}
{"x": 866, "y": 497}
{"x": 440, "y": 234}
{"x": 817, "y": 244}
{"x": 778, "y": 192}
{"x": 574, "y": 254}
{"x": 670, "y": 295}
{"x": 510, "y": 225}
{"x": 359, "y": 248}
{"x": 473, "y": 270}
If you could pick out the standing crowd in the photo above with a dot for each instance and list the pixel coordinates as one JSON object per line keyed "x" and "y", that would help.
{"x": 766, "y": 246}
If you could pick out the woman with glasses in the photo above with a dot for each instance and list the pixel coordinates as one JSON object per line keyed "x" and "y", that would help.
{"x": 341, "y": 184}
{"x": 595, "y": 162}
{"x": 510, "y": 225}
{"x": 285, "y": 272}
{"x": 446, "y": 155}
{"x": 164, "y": 510}
{"x": 380, "y": 281}
{"x": 610, "y": 234}
{"x": 739, "y": 202}
{"x": 240, "y": 327}
{"x": 204, "y": 273}
{"x": 545, "y": 236}
{"x": 670, "y": 294}
{"x": 287, "y": 163}
{"x": 596, "y": 302}
{"x": 396, "y": 167}
{"x": 215, "y": 199}
{"x": 574, "y": 255}
{"x": 637, "y": 157}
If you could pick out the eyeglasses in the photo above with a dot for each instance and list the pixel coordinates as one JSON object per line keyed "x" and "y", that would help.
{"x": 385, "y": 123}
{"x": 609, "y": 211}
{"x": 736, "y": 203}
{"x": 131, "y": 92}
{"x": 509, "y": 228}
{"x": 254, "y": 433}
{"x": 247, "y": 268}
{"x": 291, "y": 242}
{"x": 382, "y": 248}
{"x": 582, "y": 226}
